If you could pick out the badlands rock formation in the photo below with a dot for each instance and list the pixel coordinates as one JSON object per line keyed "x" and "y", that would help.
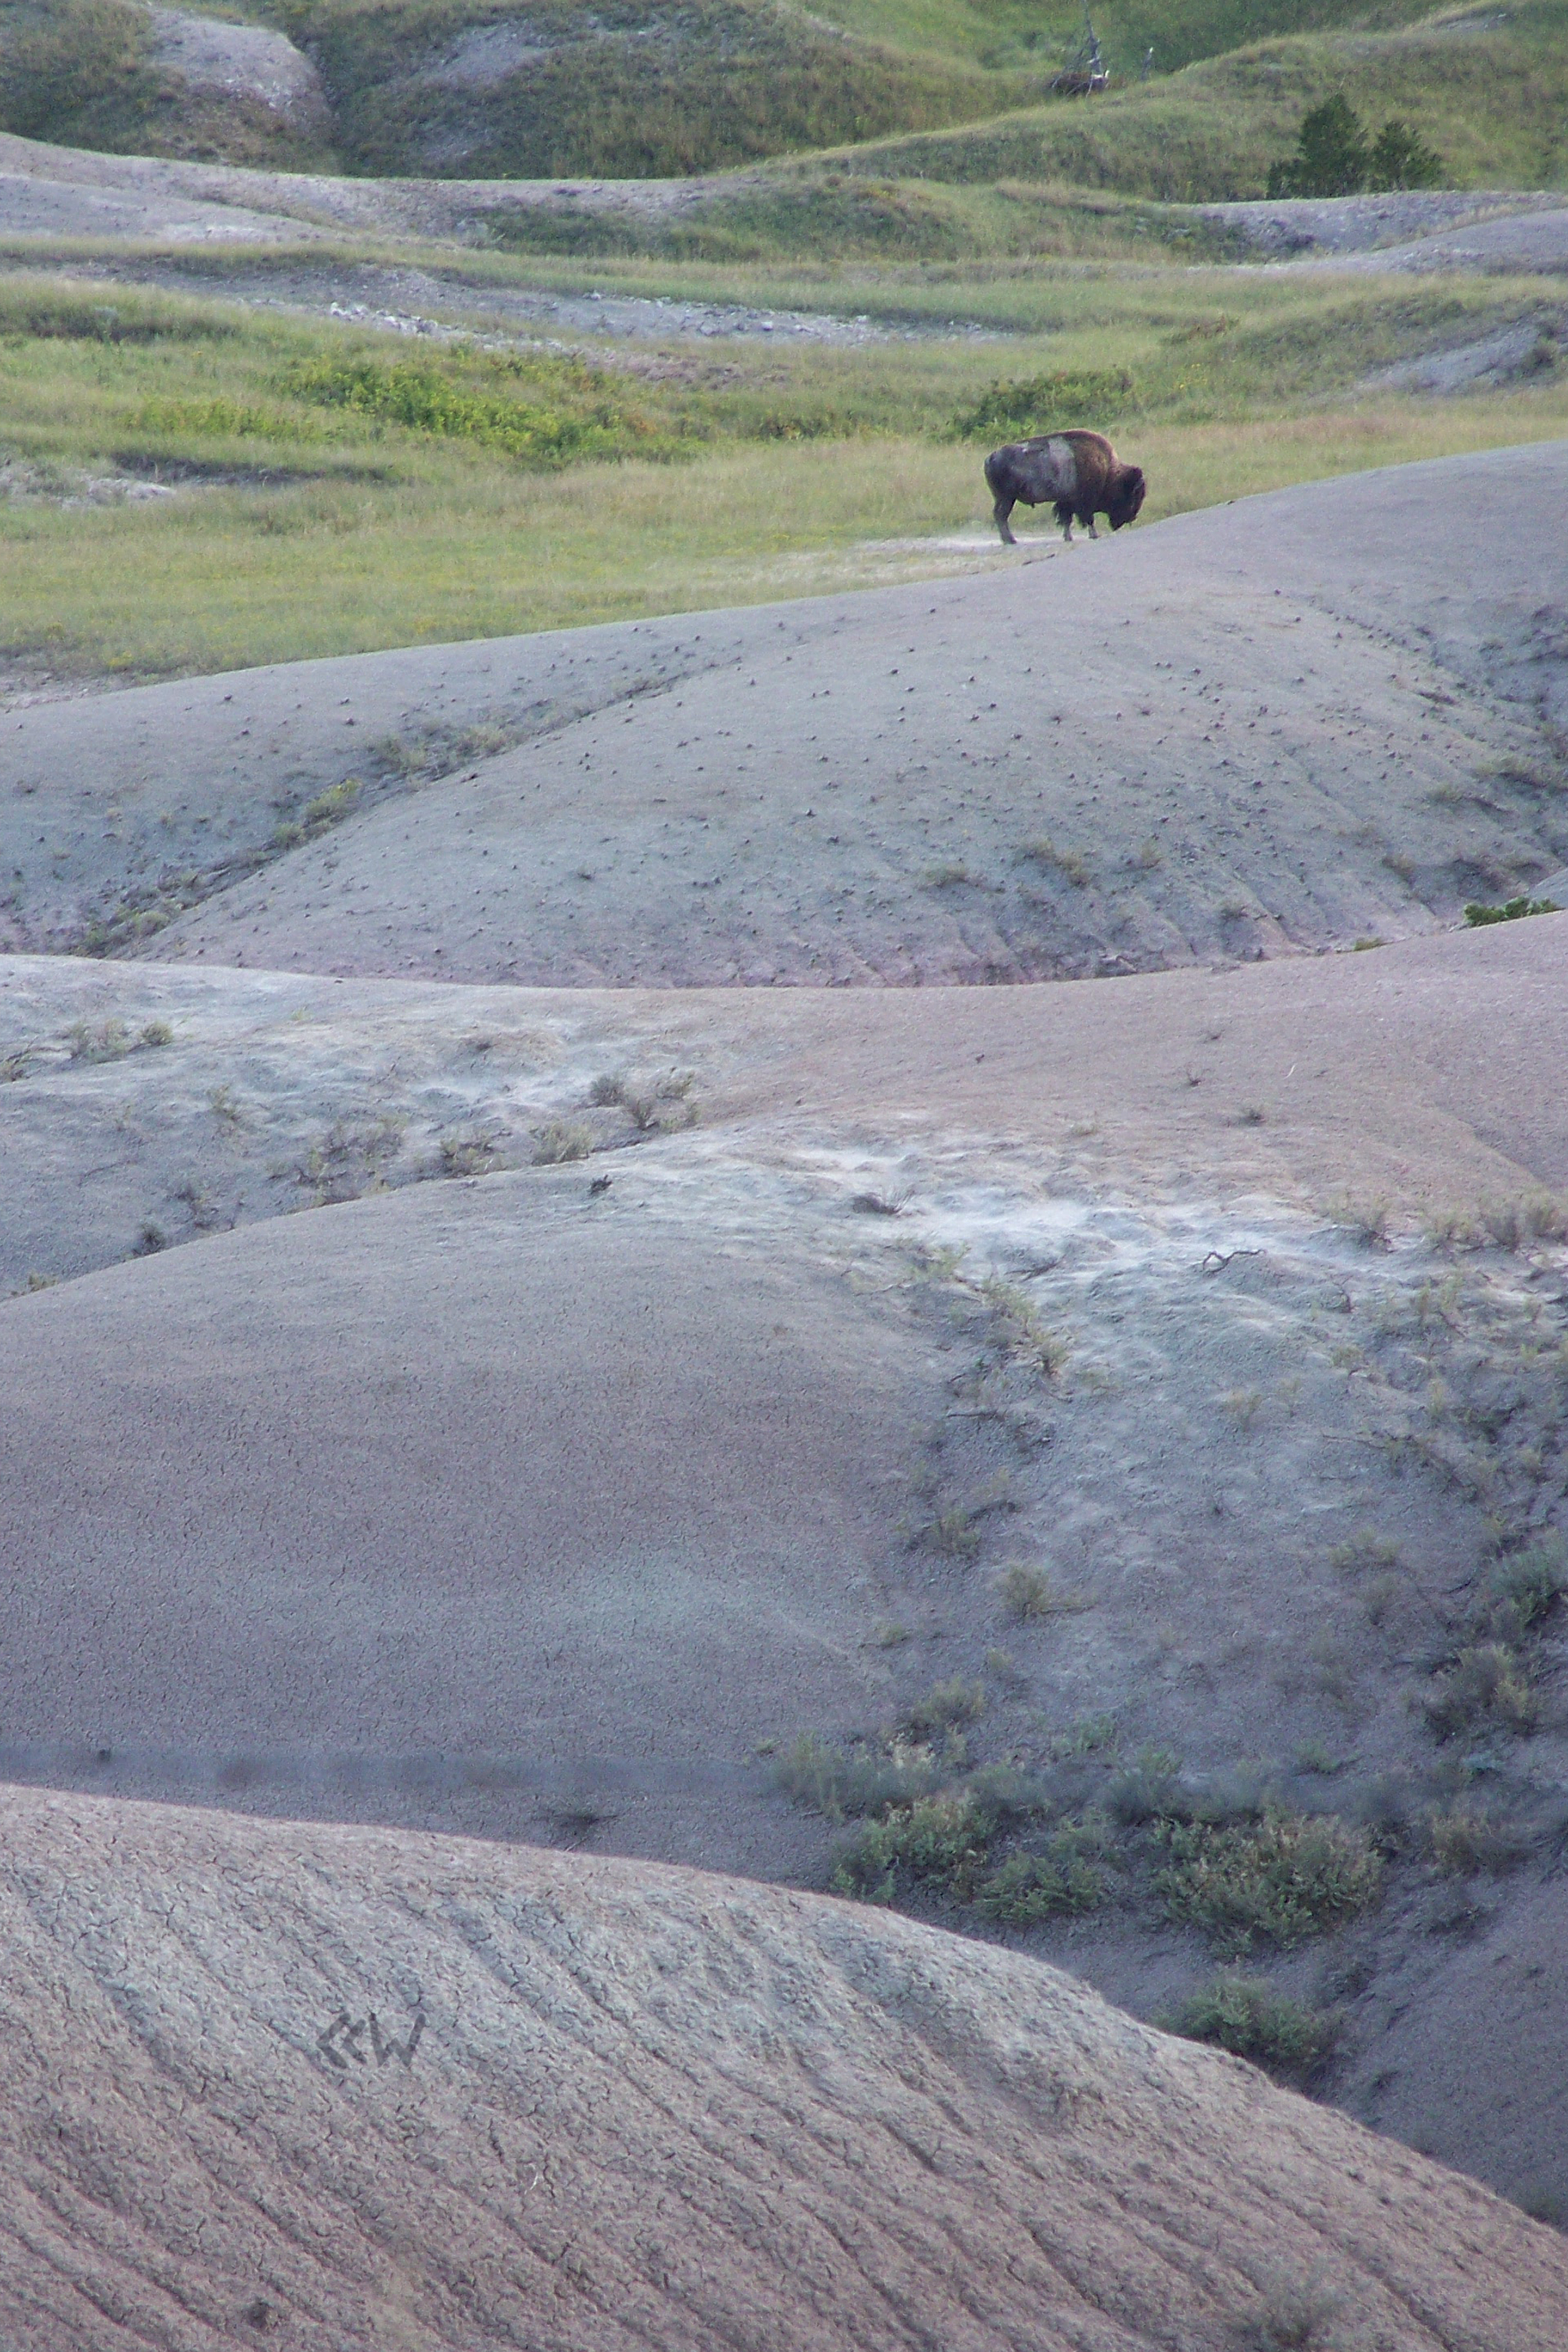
{"x": 488, "y": 1496}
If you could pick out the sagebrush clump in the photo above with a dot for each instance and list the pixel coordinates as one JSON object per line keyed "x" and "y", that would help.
{"x": 1250, "y": 2018}
{"x": 1283, "y": 1878}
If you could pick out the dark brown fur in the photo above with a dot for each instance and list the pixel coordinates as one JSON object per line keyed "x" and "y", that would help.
{"x": 1078, "y": 473}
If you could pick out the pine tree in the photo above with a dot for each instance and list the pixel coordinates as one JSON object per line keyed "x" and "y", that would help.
{"x": 1331, "y": 157}
{"x": 1401, "y": 158}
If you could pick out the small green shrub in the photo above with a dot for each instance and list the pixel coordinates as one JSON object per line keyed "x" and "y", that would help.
{"x": 1466, "y": 1839}
{"x": 839, "y": 1785}
{"x": 1362, "y": 1551}
{"x": 155, "y": 1032}
{"x": 1285, "y": 1878}
{"x": 562, "y": 1139}
{"x": 1296, "y": 2316}
{"x": 1522, "y": 1588}
{"x": 641, "y": 1109}
{"x": 1091, "y": 1735}
{"x": 1069, "y": 863}
{"x": 576, "y": 412}
{"x": 1018, "y": 407}
{"x": 319, "y": 817}
{"x": 347, "y": 1158}
{"x": 1021, "y": 1330}
{"x": 468, "y": 1155}
{"x": 1248, "y": 2017}
{"x": 1051, "y": 1885}
{"x": 946, "y": 1706}
{"x": 1029, "y": 1593}
{"x": 1150, "y": 1788}
{"x": 1513, "y": 911}
{"x": 940, "y": 1841}
{"x": 220, "y": 419}
{"x": 1010, "y": 1796}
{"x": 103, "y": 1041}
{"x": 1486, "y": 1685}
{"x": 952, "y": 1532}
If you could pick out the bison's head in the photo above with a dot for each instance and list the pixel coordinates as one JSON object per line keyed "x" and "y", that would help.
{"x": 1126, "y": 496}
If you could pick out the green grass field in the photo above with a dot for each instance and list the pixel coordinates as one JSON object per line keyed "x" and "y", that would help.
{"x": 907, "y": 90}
{"x": 336, "y": 491}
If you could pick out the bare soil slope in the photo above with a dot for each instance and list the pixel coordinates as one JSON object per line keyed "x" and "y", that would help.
{"x": 1283, "y": 724}
{"x": 594, "y": 1500}
{"x": 562, "y": 1484}
{"x": 1410, "y": 1076}
{"x": 338, "y": 2088}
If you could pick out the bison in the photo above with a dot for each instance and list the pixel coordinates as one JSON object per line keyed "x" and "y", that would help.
{"x": 1080, "y": 474}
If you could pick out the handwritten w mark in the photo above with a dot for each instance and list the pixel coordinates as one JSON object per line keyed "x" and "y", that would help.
{"x": 347, "y": 2033}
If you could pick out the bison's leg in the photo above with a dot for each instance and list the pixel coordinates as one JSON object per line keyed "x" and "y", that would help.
{"x": 1000, "y": 510}
{"x": 1064, "y": 516}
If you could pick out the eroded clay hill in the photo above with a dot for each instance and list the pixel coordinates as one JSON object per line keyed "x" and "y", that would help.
{"x": 1228, "y": 1303}
{"x": 1290, "y": 723}
{"x": 327, "y": 2088}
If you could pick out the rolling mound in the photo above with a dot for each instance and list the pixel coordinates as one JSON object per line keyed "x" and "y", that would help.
{"x": 1257, "y": 728}
{"x": 338, "y": 2088}
{"x": 566, "y": 1484}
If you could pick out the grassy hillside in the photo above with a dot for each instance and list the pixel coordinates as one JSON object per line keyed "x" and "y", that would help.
{"x": 1489, "y": 91}
{"x": 474, "y": 88}
{"x": 629, "y": 88}
{"x": 1010, "y": 32}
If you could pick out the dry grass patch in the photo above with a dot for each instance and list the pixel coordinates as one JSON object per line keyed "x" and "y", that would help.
{"x": 1029, "y": 1594}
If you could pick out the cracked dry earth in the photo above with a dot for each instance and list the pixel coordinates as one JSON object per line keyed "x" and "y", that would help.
{"x": 450, "y": 1410}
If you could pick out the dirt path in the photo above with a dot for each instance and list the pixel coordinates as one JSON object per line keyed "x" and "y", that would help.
{"x": 1434, "y": 229}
